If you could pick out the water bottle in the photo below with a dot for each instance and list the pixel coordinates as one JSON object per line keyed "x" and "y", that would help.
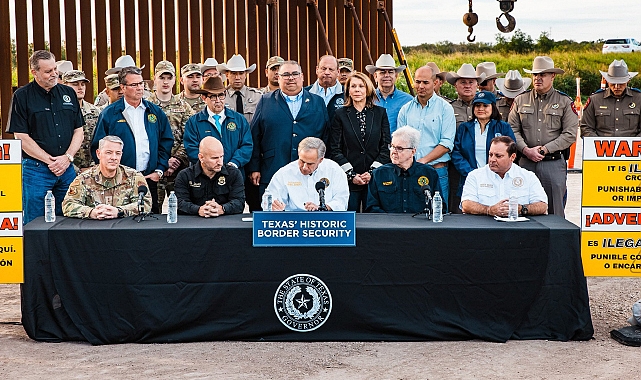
{"x": 267, "y": 201}
{"x": 513, "y": 210}
{"x": 172, "y": 209}
{"x": 50, "y": 207}
{"x": 437, "y": 208}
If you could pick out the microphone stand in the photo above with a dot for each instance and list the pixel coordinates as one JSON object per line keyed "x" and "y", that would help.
{"x": 322, "y": 206}
{"x": 428, "y": 207}
{"x": 142, "y": 215}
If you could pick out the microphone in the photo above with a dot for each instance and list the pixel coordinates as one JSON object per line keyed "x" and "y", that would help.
{"x": 142, "y": 191}
{"x": 428, "y": 199}
{"x": 320, "y": 188}
{"x": 427, "y": 191}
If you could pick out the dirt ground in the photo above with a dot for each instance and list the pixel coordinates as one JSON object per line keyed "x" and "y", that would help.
{"x": 600, "y": 358}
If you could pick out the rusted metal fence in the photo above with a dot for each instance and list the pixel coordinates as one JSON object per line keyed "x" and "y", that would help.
{"x": 184, "y": 31}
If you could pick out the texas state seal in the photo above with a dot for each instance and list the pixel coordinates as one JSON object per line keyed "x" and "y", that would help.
{"x": 302, "y": 303}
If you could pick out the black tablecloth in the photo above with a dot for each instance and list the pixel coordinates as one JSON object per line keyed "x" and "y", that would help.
{"x": 407, "y": 279}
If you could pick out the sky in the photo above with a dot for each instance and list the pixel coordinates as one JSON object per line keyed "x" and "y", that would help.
{"x": 578, "y": 20}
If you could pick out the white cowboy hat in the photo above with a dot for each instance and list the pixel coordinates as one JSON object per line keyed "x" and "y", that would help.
{"x": 236, "y": 63}
{"x": 513, "y": 84}
{"x": 489, "y": 69}
{"x": 618, "y": 73}
{"x": 384, "y": 62}
{"x": 466, "y": 71}
{"x": 63, "y": 66}
{"x": 121, "y": 63}
{"x": 543, "y": 64}
{"x": 210, "y": 63}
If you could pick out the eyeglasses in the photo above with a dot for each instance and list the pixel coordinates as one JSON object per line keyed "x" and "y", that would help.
{"x": 398, "y": 149}
{"x": 220, "y": 96}
{"x": 288, "y": 76}
{"x": 134, "y": 85}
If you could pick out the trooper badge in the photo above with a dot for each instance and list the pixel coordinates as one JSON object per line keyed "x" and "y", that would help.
{"x": 302, "y": 303}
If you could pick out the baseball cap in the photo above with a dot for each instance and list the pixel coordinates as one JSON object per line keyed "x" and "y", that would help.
{"x": 345, "y": 63}
{"x": 111, "y": 81}
{"x": 274, "y": 61}
{"x": 165, "y": 67}
{"x": 190, "y": 68}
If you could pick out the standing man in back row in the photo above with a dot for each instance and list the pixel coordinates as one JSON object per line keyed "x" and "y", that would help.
{"x": 545, "y": 124}
{"x": 240, "y": 98}
{"x": 388, "y": 96}
{"x": 47, "y": 118}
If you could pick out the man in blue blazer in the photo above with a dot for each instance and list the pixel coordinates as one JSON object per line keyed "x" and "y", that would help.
{"x": 226, "y": 125}
{"x": 283, "y": 118}
{"x": 142, "y": 126}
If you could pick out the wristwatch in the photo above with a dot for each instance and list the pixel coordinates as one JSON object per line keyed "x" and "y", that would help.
{"x": 160, "y": 173}
{"x": 70, "y": 157}
{"x": 524, "y": 210}
{"x": 121, "y": 213}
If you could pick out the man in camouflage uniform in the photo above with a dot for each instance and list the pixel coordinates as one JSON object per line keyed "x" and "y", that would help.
{"x": 615, "y": 111}
{"x": 545, "y": 124}
{"x": 107, "y": 190}
{"x": 178, "y": 112}
{"x": 345, "y": 69}
{"x": 240, "y": 98}
{"x": 271, "y": 72}
{"x": 77, "y": 80}
{"x": 191, "y": 78}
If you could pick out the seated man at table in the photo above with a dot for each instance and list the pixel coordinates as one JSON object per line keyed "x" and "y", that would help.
{"x": 107, "y": 190}
{"x": 487, "y": 189}
{"x": 293, "y": 187}
{"x": 209, "y": 188}
{"x": 397, "y": 187}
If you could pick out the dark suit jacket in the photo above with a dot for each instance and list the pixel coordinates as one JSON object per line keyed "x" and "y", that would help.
{"x": 276, "y": 134}
{"x": 346, "y": 146}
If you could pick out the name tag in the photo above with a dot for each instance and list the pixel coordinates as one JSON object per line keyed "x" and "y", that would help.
{"x": 294, "y": 183}
{"x": 488, "y": 185}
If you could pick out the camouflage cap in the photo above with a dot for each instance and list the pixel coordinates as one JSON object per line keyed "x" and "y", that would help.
{"x": 112, "y": 82}
{"x": 345, "y": 63}
{"x": 190, "y": 68}
{"x": 165, "y": 67}
{"x": 74, "y": 76}
{"x": 274, "y": 61}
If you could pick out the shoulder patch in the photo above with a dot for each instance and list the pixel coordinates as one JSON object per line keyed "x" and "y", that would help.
{"x": 598, "y": 91}
{"x": 563, "y": 93}
{"x": 635, "y": 89}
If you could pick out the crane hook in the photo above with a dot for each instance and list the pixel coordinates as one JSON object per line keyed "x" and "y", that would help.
{"x": 511, "y": 23}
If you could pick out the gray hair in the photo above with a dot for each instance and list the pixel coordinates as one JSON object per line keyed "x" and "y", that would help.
{"x": 409, "y": 134}
{"x": 37, "y": 56}
{"x": 290, "y": 62}
{"x": 126, "y": 71}
{"x": 309, "y": 143}
{"x": 114, "y": 139}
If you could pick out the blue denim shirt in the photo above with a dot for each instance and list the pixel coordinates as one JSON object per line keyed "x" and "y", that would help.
{"x": 392, "y": 105}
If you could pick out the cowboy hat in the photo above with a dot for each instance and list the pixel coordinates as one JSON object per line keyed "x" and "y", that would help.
{"x": 543, "y": 64}
{"x": 121, "y": 63}
{"x": 513, "y": 84}
{"x": 236, "y": 63}
{"x": 384, "y": 62}
{"x": 210, "y": 63}
{"x": 441, "y": 74}
{"x": 213, "y": 85}
{"x": 618, "y": 73}
{"x": 466, "y": 71}
{"x": 489, "y": 68}
{"x": 63, "y": 66}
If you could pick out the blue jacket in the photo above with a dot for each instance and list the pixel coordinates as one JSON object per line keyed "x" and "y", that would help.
{"x": 464, "y": 152}
{"x": 276, "y": 134}
{"x": 236, "y": 136}
{"x": 112, "y": 122}
{"x": 391, "y": 190}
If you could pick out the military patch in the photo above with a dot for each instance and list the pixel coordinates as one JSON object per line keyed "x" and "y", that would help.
{"x": 152, "y": 118}
{"x": 555, "y": 106}
{"x": 632, "y": 105}
{"x": 517, "y": 182}
{"x": 221, "y": 180}
{"x": 574, "y": 108}
{"x": 387, "y": 183}
{"x": 231, "y": 126}
{"x": 422, "y": 180}
{"x": 72, "y": 190}
{"x": 325, "y": 181}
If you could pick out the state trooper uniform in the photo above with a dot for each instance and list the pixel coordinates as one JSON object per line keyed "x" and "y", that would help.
{"x": 463, "y": 111}
{"x": 178, "y": 112}
{"x": 90, "y": 113}
{"x": 249, "y": 96}
{"x": 548, "y": 120}
{"x": 91, "y": 188}
{"x": 610, "y": 116}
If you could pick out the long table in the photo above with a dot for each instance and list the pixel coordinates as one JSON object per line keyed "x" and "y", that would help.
{"x": 407, "y": 279}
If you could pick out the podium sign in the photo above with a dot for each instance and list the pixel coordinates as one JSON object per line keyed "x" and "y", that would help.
{"x": 11, "y": 253}
{"x": 304, "y": 229}
{"x": 611, "y": 206}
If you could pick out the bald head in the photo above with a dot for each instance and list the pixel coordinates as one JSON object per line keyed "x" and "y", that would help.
{"x": 425, "y": 71}
{"x": 210, "y": 155}
{"x": 209, "y": 143}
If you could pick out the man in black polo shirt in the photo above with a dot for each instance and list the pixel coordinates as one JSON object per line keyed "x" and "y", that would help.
{"x": 46, "y": 116}
{"x": 209, "y": 188}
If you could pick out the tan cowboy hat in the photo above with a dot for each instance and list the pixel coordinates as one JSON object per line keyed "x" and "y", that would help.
{"x": 618, "y": 73}
{"x": 543, "y": 64}
{"x": 213, "y": 85}
{"x": 236, "y": 63}
{"x": 466, "y": 71}
{"x": 513, "y": 84}
{"x": 121, "y": 63}
{"x": 441, "y": 74}
{"x": 489, "y": 69}
{"x": 384, "y": 62}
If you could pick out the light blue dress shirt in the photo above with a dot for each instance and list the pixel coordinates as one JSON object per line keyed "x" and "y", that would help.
{"x": 392, "y": 105}
{"x": 294, "y": 102}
